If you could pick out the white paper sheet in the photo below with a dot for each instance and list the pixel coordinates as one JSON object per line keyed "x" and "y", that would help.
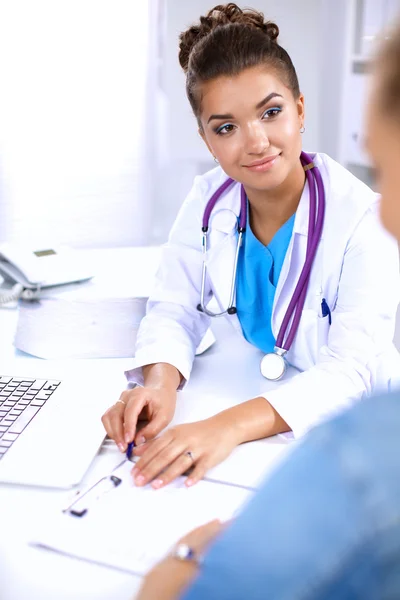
{"x": 131, "y": 528}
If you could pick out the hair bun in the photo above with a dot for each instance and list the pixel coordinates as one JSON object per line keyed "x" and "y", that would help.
{"x": 222, "y": 14}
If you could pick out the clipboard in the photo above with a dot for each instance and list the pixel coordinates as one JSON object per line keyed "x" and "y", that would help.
{"x": 131, "y": 528}
{"x": 80, "y": 505}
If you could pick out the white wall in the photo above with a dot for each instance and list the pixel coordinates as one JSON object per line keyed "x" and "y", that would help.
{"x": 334, "y": 40}
{"x": 74, "y": 151}
{"x": 299, "y": 23}
{"x": 89, "y": 151}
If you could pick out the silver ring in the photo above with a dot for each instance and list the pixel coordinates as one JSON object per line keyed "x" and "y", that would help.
{"x": 122, "y": 402}
{"x": 190, "y": 455}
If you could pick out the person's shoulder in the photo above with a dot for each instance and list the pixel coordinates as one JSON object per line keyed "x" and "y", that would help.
{"x": 209, "y": 182}
{"x": 370, "y": 424}
{"x": 203, "y": 187}
{"x": 341, "y": 186}
{"x": 192, "y": 209}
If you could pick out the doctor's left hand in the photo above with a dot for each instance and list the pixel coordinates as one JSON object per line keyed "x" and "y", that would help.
{"x": 200, "y": 445}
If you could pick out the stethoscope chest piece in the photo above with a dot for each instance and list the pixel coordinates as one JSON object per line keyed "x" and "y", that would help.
{"x": 273, "y": 365}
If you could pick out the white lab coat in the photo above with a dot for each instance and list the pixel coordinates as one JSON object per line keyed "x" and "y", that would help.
{"x": 355, "y": 269}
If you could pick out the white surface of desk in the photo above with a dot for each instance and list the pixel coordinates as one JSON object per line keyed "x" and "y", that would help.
{"x": 225, "y": 375}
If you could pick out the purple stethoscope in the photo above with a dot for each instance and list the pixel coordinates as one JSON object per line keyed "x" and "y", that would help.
{"x": 273, "y": 365}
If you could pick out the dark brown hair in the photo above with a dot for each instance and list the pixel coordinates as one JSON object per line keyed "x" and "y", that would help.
{"x": 387, "y": 66}
{"x": 227, "y": 41}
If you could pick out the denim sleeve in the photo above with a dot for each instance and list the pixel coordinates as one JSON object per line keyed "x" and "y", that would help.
{"x": 326, "y": 525}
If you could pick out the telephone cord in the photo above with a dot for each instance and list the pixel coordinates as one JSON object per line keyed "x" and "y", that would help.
{"x": 16, "y": 292}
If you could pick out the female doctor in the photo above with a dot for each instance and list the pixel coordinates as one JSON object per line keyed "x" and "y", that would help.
{"x": 316, "y": 282}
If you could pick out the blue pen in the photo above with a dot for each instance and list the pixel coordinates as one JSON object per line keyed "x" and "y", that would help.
{"x": 326, "y": 311}
{"x": 129, "y": 450}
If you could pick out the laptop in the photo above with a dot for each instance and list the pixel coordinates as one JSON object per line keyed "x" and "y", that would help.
{"x": 50, "y": 420}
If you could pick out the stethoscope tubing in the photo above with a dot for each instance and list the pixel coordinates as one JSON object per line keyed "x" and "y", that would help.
{"x": 231, "y": 309}
{"x": 314, "y": 235}
{"x": 214, "y": 199}
{"x": 315, "y": 226}
{"x": 241, "y": 229}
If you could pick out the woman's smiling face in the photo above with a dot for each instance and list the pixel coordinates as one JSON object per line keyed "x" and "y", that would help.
{"x": 251, "y": 123}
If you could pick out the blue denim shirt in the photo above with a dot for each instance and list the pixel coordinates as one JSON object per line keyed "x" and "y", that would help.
{"x": 324, "y": 526}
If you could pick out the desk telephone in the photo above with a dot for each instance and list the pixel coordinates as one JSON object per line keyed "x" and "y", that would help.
{"x": 27, "y": 270}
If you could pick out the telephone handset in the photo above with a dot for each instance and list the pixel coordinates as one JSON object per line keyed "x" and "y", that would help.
{"x": 30, "y": 270}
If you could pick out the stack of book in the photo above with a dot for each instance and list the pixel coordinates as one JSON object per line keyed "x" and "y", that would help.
{"x": 98, "y": 318}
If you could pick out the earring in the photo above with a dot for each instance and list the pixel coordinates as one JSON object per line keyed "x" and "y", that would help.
{"x": 216, "y": 160}
{"x": 302, "y": 129}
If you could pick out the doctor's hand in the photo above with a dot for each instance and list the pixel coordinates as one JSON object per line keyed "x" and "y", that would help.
{"x": 155, "y": 403}
{"x": 200, "y": 445}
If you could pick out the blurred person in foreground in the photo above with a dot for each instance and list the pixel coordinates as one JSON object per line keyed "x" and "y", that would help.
{"x": 326, "y": 525}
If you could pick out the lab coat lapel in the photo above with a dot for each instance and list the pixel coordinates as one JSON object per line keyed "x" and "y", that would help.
{"x": 222, "y": 243}
{"x": 293, "y": 263}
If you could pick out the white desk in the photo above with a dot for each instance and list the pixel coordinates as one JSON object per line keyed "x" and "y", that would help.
{"x": 226, "y": 374}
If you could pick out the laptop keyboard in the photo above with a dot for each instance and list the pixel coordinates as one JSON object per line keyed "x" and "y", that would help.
{"x": 21, "y": 398}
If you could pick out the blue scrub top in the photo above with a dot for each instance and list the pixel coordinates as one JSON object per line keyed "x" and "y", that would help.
{"x": 259, "y": 268}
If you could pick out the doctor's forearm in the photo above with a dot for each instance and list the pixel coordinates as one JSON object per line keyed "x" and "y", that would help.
{"x": 253, "y": 420}
{"x": 161, "y": 376}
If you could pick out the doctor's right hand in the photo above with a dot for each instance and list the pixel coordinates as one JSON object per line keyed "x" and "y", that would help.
{"x": 157, "y": 406}
{"x": 155, "y": 403}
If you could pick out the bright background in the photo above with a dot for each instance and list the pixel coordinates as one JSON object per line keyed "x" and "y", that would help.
{"x": 98, "y": 146}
